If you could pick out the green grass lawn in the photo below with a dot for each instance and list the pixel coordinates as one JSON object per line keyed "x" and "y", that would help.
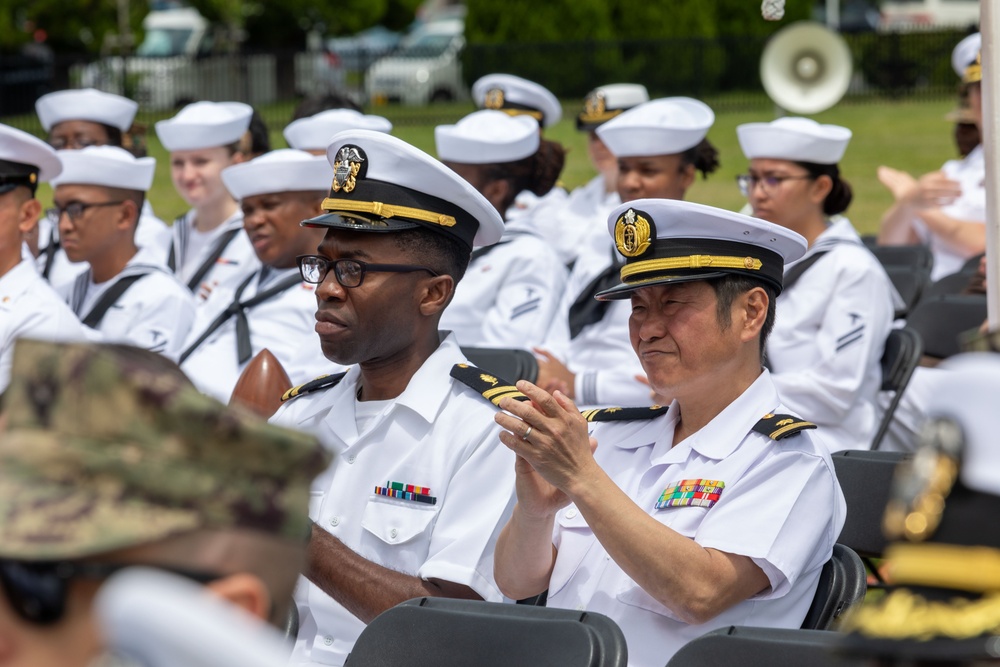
{"x": 908, "y": 135}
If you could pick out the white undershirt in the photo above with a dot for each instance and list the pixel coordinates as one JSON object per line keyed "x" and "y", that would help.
{"x": 90, "y": 297}
{"x": 365, "y": 412}
{"x": 196, "y": 242}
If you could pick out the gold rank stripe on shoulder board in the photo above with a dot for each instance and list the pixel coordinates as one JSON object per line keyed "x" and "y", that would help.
{"x": 322, "y": 382}
{"x": 492, "y": 388}
{"x": 623, "y": 414}
{"x": 777, "y": 427}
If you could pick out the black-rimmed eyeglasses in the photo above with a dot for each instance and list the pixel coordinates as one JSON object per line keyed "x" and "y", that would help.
{"x": 349, "y": 272}
{"x": 747, "y": 182}
{"x": 75, "y": 210}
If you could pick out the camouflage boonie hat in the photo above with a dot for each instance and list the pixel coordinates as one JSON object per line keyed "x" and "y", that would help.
{"x": 110, "y": 446}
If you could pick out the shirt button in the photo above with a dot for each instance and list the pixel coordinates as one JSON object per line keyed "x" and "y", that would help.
{"x": 335, "y": 521}
{"x": 328, "y": 640}
{"x": 579, "y": 607}
{"x": 393, "y": 533}
{"x": 350, "y": 459}
{"x": 571, "y": 514}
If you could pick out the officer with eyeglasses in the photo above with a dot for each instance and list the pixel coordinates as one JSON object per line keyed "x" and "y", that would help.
{"x": 127, "y": 294}
{"x": 421, "y": 484}
{"x": 271, "y": 308}
{"x": 110, "y": 458}
{"x": 838, "y": 304}
{"x": 28, "y": 306}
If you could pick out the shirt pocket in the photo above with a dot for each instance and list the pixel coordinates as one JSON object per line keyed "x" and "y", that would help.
{"x": 396, "y": 522}
{"x": 575, "y": 539}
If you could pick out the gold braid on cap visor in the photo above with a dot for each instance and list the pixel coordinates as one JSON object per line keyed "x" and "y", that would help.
{"x": 387, "y": 211}
{"x": 690, "y": 262}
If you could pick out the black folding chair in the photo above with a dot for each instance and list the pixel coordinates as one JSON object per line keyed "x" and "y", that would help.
{"x": 442, "y": 632}
{"x": 866, "y": 480}
{"x": 511, "y": 364}
{"x": 911, "y": 282}
{"x": 951, "y": 284}
{"x": 941, "y": 321}
{"x": 903, "y": 350}
{"x": 917, "y": 256}
{"x": 763, "y": 647}
{"x": 842, "y": 584}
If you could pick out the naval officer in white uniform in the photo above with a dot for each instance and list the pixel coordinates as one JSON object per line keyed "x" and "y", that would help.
{"x": 29, "y": 307}
{"x": 511, "y": 290}
{"x": 421, "y": 483}
{"x": 836, "y": 309}
{"x": 126, "y": 294}
{"x": 209, "y": 246}
{"x": 717, "y": 510}
{"x": 273, "y": 308}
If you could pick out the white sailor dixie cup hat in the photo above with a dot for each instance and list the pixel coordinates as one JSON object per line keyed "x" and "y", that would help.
{"x": 383, "y": 184}
{"x": 107, "y": 166}
{"x": 205, "y": 125}
{"x": 516, "y": 96}
{"x": 283, "y": 170}
{"x": 666, "y": 241}
{"x": 25, "y": 160}
{"x": 487, "y": 137}
{"x": 796, "y": 139}
{"x": 86, "y": 104}
{"x": 605, "y": 102}
{"x": 665, "y": 126}
{"x": 315, "y": 132}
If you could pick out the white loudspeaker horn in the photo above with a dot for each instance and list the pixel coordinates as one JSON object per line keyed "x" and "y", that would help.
{"x": 806, "y": 68}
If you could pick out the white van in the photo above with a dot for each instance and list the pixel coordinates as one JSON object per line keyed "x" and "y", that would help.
{"x": 906, "y": 15}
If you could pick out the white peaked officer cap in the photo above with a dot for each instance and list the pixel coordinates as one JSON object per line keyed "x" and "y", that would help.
{"x": 516, "y": 96}
{"x": 285, "y": 170}
{"x": 25, "y": 160}
{"x": 87, "y": 104}
{"x": 107, "y": 166}
{"x": 666, "y": 241}
{"x": 205, "y": 125}
{"x": 666, "y": 126}
{"x": 605, "y": 102}
{"x": 382, "y": 184}
{"x": 796, "y": 139}
{"x": 487, "y": 137}
{"x": 314, "y": 133}
{"x": 965, "y": 52}
{"x": 966, "y": 391}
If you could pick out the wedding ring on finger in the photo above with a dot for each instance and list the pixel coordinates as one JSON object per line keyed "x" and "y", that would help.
{"x": 526, "y": 434}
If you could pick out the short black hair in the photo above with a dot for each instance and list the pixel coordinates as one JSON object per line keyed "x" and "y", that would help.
{"x": 731, "y": 286}
{"x": 444, "y": 254}
{"x": 311, "y": 106}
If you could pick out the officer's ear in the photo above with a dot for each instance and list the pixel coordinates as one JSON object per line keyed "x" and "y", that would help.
{"x": 498, "y": 192}
{"x": 28, "y": 212}
{"x": 436, "y": 294}
{"x": 246, "y": 591}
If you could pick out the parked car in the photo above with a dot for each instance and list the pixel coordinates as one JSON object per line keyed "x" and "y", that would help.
{"x": 358, "y": 52}
{"x": 427, "y": 67}
{"x": 904, "y": 15}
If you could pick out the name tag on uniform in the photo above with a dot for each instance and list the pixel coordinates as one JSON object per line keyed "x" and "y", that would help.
{"x": 691, "y": 493}
{"x": 401, "y": 491}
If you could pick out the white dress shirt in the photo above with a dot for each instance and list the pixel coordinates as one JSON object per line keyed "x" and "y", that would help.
{"x": 781, "y": 506}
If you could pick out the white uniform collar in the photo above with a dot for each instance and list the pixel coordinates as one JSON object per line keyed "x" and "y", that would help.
{"x": 17, "y": 281}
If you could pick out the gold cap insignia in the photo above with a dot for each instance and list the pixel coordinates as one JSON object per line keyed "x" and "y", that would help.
{"x": 347, "y": 169}
{"x": 594, "y": 105}
{"x": 494, "y": 99}
{"x": 633, "y": 235}
{"x": 489, "y": 378}
{"x": 33, "y": 178}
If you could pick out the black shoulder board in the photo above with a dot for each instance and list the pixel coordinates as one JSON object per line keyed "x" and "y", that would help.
{"x": 490, "y": 386}
{"x": 623, "y": 414}
{"x": 777, "y": 427}
{"x": 322, "y": 382}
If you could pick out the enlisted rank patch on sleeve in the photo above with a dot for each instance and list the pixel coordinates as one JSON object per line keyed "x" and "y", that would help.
{"x": 492, "y": 388}
{"x": 623, "y": 414}
{"x": 322, "y": 382}
{"x": 691, "y": 493}
{"x": 777, "y": 427}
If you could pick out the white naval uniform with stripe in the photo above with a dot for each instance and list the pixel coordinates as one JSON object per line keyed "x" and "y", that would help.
{"x": 509, "y": 294}
{"x": 191, "y": 249}
{"x": 155, "y": 313}
{"x": 283, "y": 324}
{"x": 30, "y": 308}
{"x": 780, "y": 505}
{"x": 829, "y": 333}
{"x": 582, "y": 221}
{"x": 439, "y": 433}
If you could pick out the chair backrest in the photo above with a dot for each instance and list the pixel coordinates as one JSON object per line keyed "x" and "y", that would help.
{"x": 866, "y": 480}
{"x": 953, "y": 283}
{"x": 941, "y": 321}
{"x": 917, "y": 256}
{"x": 911, "y": 282}
{"x": 441, "y": 632}
{"x": 842, "y": 583}
{"x": 763, "y": 647}
{"x": 901, "y": 356}
{"x": 511, "y": 364}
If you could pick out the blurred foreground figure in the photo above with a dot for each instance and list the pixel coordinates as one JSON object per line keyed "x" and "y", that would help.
{"x": 110, "y": 458}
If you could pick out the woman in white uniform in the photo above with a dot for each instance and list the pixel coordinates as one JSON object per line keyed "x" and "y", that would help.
{"x": 836, "y": 309}
{"x": 511, "y": 290}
